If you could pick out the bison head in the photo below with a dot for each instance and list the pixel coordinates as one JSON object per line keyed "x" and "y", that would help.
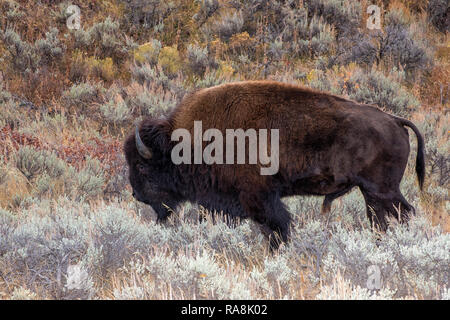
{"x": 151, "y": 175}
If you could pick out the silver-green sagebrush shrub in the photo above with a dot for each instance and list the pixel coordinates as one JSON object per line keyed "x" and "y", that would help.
{"x": 7, "y": 224}
{"x": 21, "y": 293}
{"x": 146, "y": 73}
{"x": 210, "y": 78}
{"x": 50, "y": 175}
{"x": 115, "y": 111}
{"x": 343, "y": 289}
{"x": 150, "y": 99}
{"x": 105, "y": 36}
{"x": 148, "y": 14}
{"x": 5, "y": 96}
{"x": 129, "y": 293}
{"x": 89, "y": 181}
{"x": 422, "y": 256}
{"x": 371, "y": 87}
{"x": 437, "y": 147}
{"x": 188, "y": 274}
{"x": 12, "y": 11}
{"x": 198, "y": 59}
{"x": 50, "y": 48}
{"x": 79, "y": 284}
{"x": 278, "y": 273}
{"x": 148, "y": 52}
{"x": 26, "y": 57}
{"x": 309, "y": 243}
{"x": 396, "y": 45}
{"x": 115, "y": 237}
{"x": 410, "y": 257}
{"x": 239, "y": 243}
{"x": 353, "y": 252}
{"x": 307, "y": 36}
{"x": 344, "y": 16}
{"x": 207, "y": 9}
{"x": 23, "y": 55}
{"x": 32, "y": 162}
{"x": 375, "y": 88}
{"x": 83, "y": 94}
{"x": 41, "y": 248}
{"x": 228, "y": 24}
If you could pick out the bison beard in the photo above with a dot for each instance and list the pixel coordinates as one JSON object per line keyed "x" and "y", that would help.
{"x": 328, "y": 145}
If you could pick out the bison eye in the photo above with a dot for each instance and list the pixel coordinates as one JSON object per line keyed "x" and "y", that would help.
{"x": 141, "y": 168}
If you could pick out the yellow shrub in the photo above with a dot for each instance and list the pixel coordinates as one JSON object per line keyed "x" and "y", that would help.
{"x": 169, "y": 59}
{"x": 92, "y": 66}
{"x": 217, "y": 47}
{"x": 225, "y": 69}
{"x": 241, "y": 41}
{"x": 103, "y": 68}
{"x": 146, "y": 53}
{"x": 311, "y": 76}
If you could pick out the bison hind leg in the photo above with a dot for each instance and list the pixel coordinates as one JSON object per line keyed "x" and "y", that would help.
{"x": 403, "y": 209}
{"x": 270, "y": 212}
{"x": 329, "y": 198}
{"x": 383, "y": 205}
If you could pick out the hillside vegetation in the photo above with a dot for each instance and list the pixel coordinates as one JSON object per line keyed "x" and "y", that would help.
{"x": 69, "y": 227}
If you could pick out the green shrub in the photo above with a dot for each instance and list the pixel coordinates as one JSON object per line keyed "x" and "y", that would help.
{"x": 83, "y": 95}
{"x": 228, "y": 24}
{"x": 148, "y": 52}
{"x": 198, "y": 59}
{"x": 115, "y": 111}
{"x": 105, "y": 37}
{"x": 395, "y": 45}
{"x": 115, "y": 237}
{"x": 150, "y": 100}
{"x": 50, "y": 49}
{"x": 375, "y": 88}
{"x": 146, "y": 14}
{"x": 207, "y": 9}
{"x": 89, "y": 182}
{"x": 147, "y": 73}
{"x": 32, "y": 162}
{"x": 24, "y": 57}
{"x": 12, "y": 11}
{"x": 437, "y": 147}
{"x": 5, "y": 96}
{"x": 344, "y": 16}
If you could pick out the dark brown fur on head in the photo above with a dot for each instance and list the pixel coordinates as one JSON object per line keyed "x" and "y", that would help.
{"x": 152, "y": 179}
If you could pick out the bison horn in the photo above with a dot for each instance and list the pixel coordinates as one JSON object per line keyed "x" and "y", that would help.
{"x": 143, "y": 150}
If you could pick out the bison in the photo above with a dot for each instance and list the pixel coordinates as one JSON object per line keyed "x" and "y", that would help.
{"x": 327, "y": 146}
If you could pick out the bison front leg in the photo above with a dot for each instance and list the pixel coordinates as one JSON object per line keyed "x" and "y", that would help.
{"x": 270, "y": 213}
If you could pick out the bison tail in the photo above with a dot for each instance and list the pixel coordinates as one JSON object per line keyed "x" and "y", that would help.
{"x": 420, "y": 159}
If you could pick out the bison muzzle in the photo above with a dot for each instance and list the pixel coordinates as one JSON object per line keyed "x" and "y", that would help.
{"x": 327, "y": 146}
